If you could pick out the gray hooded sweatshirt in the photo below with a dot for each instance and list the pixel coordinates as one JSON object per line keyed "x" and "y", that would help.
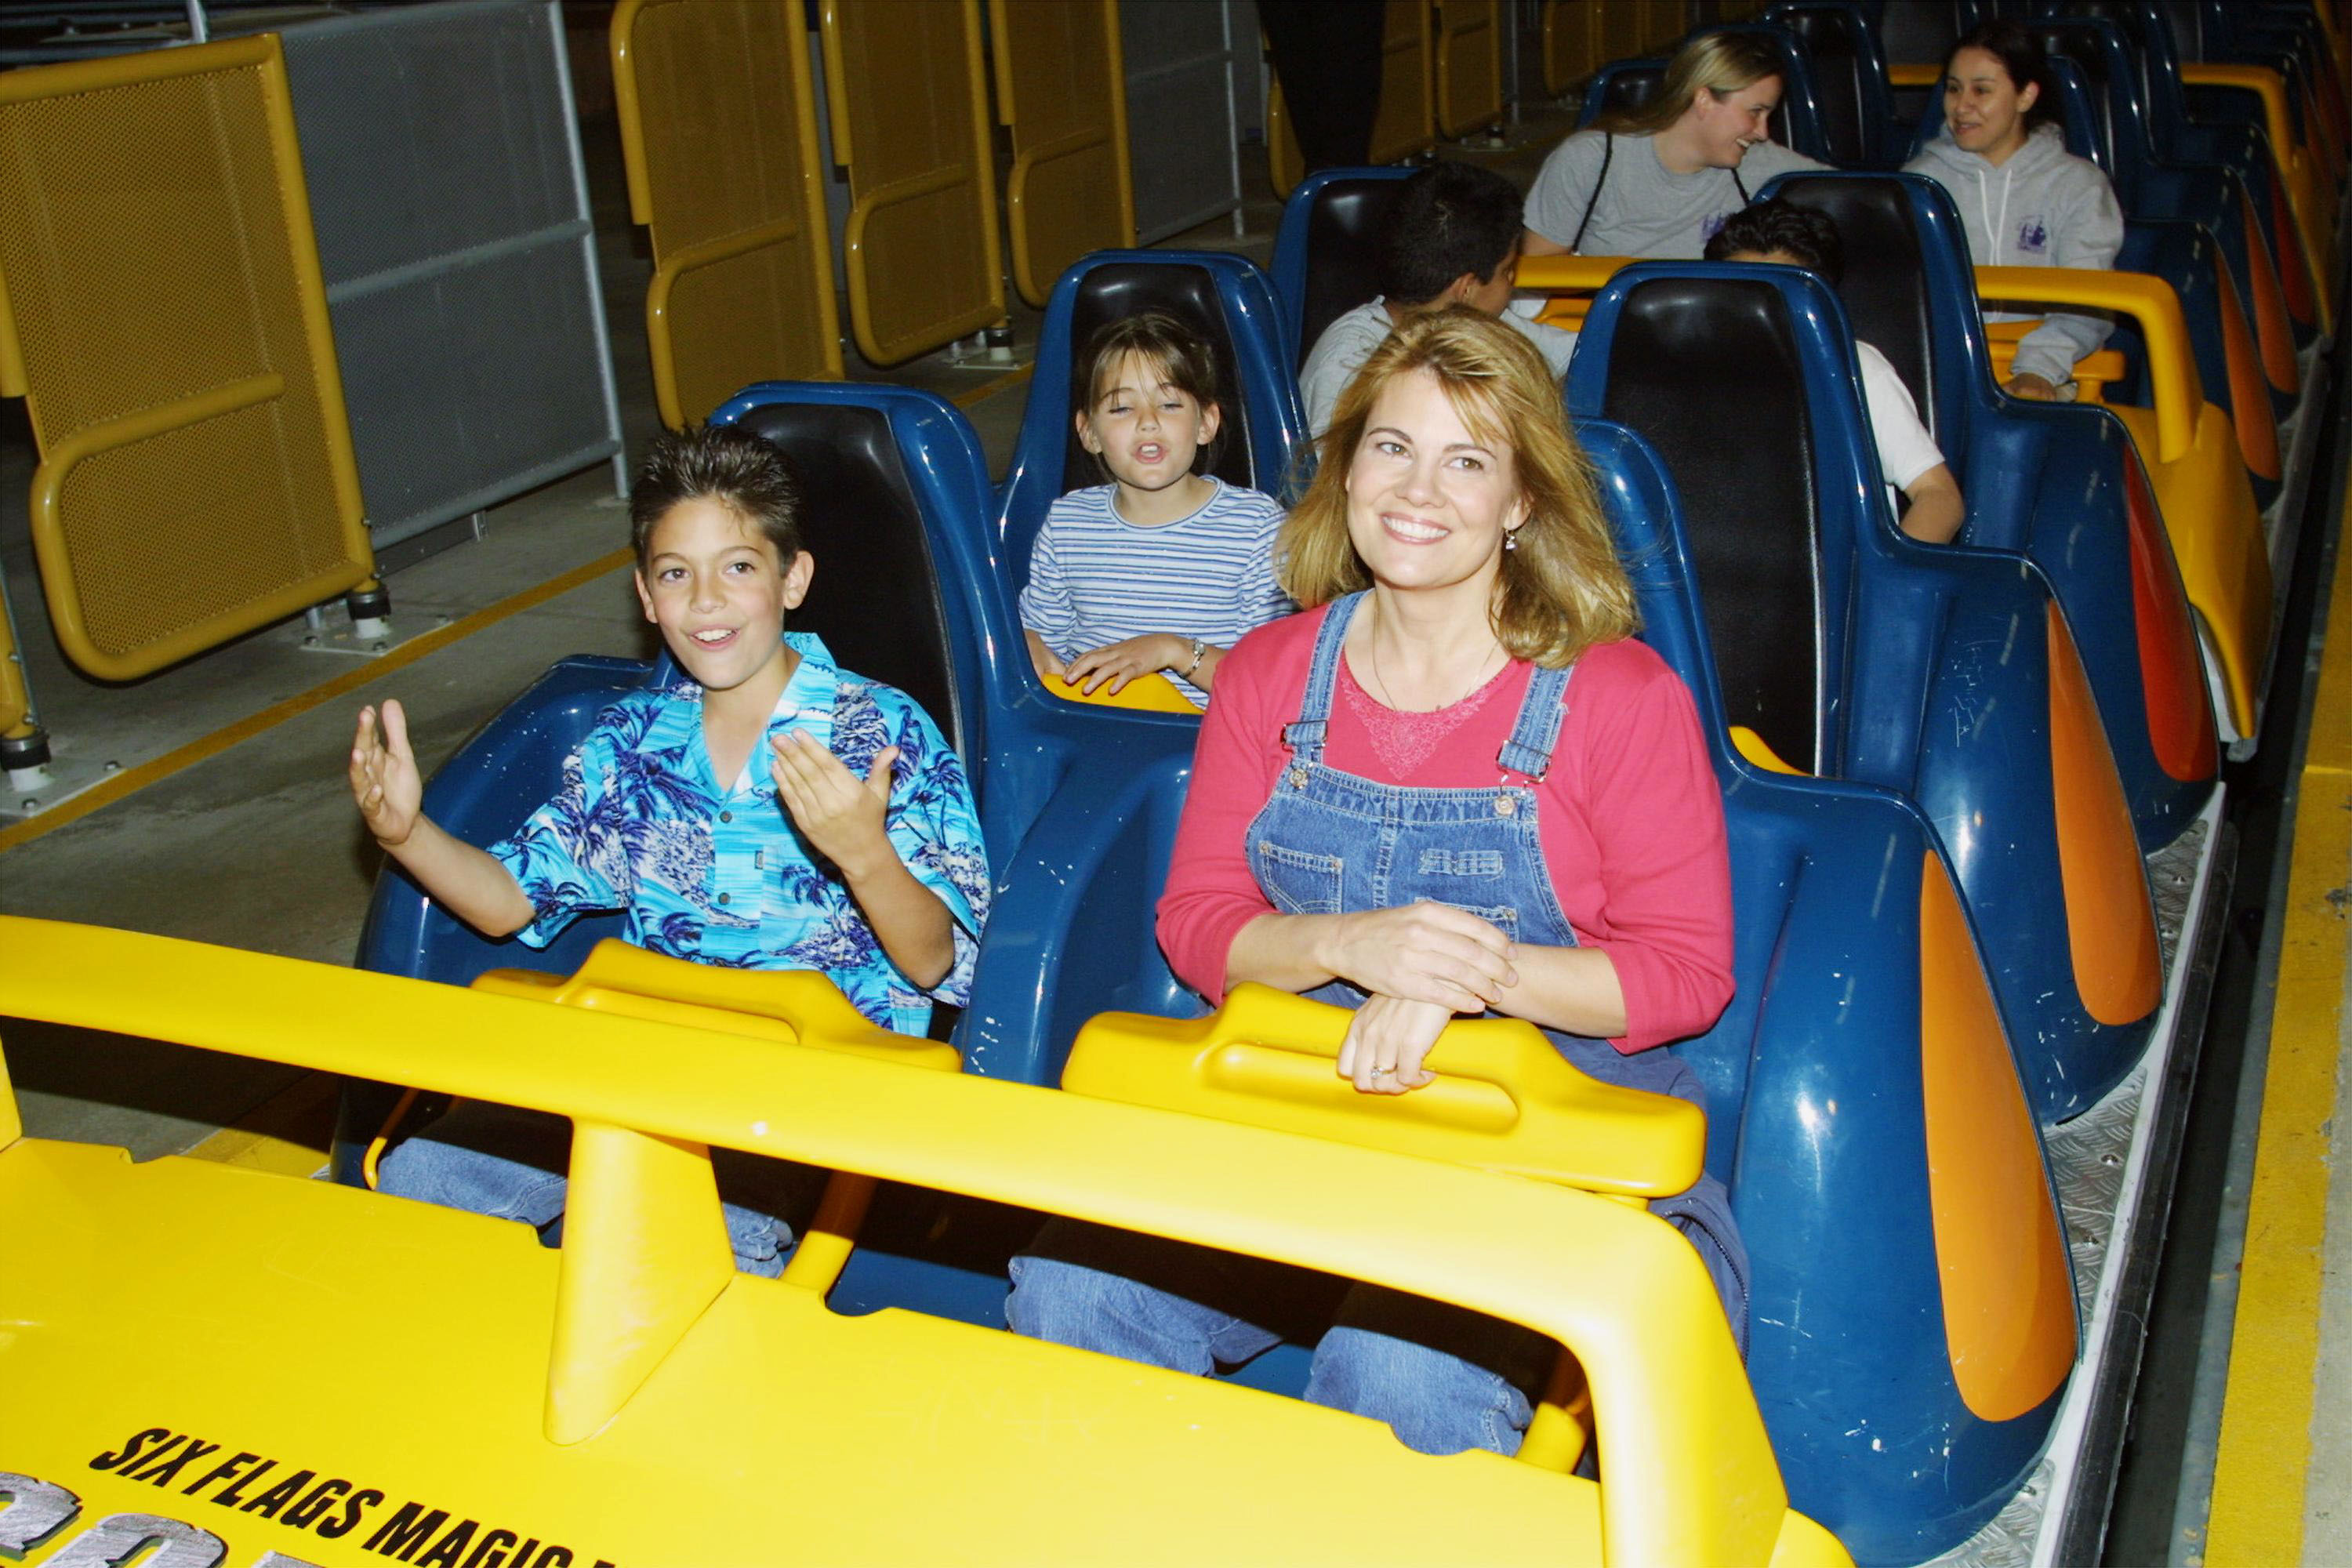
{"x": 2044, "y": 208}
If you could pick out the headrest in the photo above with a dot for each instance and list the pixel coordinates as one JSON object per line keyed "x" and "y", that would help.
{"x": 2085, "y": 43}
{"x": 1705, "y": 369}
{"x": 1845, "y": 74}
{"x": 1625, "y": 86}
{"x": 1343, "y": 264}
{"x": 1884, "y": 290}
{"x": 875, "y": 599}
{"x": 1117, "y": 289}
{"x": 1922, "y": 32}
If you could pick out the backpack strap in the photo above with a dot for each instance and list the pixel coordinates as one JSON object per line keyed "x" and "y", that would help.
{"x": 1608, "y": 153}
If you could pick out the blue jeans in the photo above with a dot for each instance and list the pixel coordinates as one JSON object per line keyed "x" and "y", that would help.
{"x": 523, "y": 1179}
{"x": 1443, "y": 1377}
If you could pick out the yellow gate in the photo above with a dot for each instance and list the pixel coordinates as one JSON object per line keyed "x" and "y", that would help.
{"x": 718, "y": 138}
{"x": 907, "y": 94}
{"x": 163, "y": 315}
{"x": 1468, "y": 71}
{"x": 1407, "y": 121}
{"x": 1061, "y": 90}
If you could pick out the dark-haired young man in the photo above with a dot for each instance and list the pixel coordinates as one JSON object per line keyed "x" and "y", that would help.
{"x": 1452, "y": 239}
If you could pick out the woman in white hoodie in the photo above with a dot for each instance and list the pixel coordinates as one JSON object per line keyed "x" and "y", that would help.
{"x": 2024, "y": 200}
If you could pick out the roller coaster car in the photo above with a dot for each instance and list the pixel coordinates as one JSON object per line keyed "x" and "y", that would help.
{"x": 631, "y": 1399}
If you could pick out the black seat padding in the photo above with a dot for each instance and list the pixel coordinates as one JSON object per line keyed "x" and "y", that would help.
{"x": 876, "y": 598}
{"x": 1835, "y": 54}
{"x": 1117, "y": 290}
{"x": 1884, "y": 290}
{"x": 1343, "y": 261}
{"x": 1693, "y": 362}
{"x": 2084, "y": 45}
{"x": 1922, "y": 32}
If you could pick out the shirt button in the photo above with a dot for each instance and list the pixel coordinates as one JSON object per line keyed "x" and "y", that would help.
{"x": 1298, "y": 778}
{"x": 726, "y": 817}
{"x": 722, "y": 898}
{"x": 1505, "y": 805}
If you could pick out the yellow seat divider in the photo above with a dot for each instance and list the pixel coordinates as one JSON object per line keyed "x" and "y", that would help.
{"x": 1061, "y": 90}
{"x": 792, "y": 1006}
{"x": 908, "y": 99}
{"x": 1468, "y": 71}
{"x": 1146, "y": 693}
{"x": 1505, "y": 1099}
{"x": 163, "y": 316}
{"x": 719, "y": 140}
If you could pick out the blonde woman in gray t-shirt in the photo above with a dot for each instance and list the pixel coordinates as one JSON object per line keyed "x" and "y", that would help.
{"x": 1657, "y": 182}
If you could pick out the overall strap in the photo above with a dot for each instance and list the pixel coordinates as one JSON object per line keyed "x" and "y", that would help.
{"x": 1529, "y": 750}
{"x": 1607, "y": 153}
{"x": 1303, "y": 736}
{"x": 1741, "y": 186}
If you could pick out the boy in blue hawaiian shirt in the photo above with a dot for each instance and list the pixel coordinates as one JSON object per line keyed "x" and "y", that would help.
{"x": 767, "y": 811}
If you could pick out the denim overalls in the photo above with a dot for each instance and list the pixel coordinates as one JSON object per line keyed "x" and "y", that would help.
{"x": 1328, "y": 842}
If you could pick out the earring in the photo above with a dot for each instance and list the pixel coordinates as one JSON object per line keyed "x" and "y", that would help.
{"x": 1511, "y": 540}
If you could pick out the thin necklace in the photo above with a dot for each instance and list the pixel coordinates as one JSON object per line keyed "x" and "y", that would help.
{"x": 1478, "y": 678}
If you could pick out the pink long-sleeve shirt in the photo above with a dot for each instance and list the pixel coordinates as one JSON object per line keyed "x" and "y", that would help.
{"x": 1629, "y": 815}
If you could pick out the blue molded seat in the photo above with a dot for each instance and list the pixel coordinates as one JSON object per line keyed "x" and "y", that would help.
{"x": 1818, "y": 1119}
{"x": 2052, "y": 481}
{"x": 1325, "y": 253}
{"x": 1849, "y": 77}
{"x": 1857, "y": 654}
{"x": 1226, "y": 299}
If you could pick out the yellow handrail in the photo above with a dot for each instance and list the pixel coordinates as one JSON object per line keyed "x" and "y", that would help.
{"x": 2179, "y": 395}
{"x": 1617, "y": 1287}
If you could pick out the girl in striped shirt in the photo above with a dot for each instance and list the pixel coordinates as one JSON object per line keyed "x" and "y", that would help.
{"x": 1165, "y": 567}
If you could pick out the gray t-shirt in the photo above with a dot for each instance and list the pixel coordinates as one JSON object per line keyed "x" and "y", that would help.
{"x": 1644, "y": 210}
{"x": 1350, "y": 339}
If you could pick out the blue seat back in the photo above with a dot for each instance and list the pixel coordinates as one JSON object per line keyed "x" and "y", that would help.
{"x": 1621, "y": 86}
{"x": 1326, "y": 251}
{"x": 1821, "y": 1139}
{"x": 1849, "y": 79}
{"x": 1225, "y": 299}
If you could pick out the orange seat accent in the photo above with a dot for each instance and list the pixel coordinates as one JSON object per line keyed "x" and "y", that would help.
{"x": 2007, "y": 1286}
{"x": 2273, "y": 332}
{"x": 2110, "y": 923}
{"x": 2256, "y": 422}
{"x": 2172, "y": 669}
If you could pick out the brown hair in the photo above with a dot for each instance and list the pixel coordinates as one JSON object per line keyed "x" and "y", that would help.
{"x": 1166, "y": 346}
{"x": 747, "y": 474}
{"x": 1561, "y": 588}
{"x": 1719, "y": 63}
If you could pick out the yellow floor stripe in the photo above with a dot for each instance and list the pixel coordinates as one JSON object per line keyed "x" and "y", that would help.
{"x": 987, "y": 390}
{"x": 132, "y": 780}
{"x": 289, "y": 1135}
{"x": 2260, "y": 1470}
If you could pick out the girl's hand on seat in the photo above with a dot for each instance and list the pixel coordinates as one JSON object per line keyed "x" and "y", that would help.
{"x": 842, "y": 815}
{"x": 1387, "y": 1042}
{"x": 2032, "y": 387}
{"x": 384, "y": 781}
{"x": 1123, "y": 661}
{"x": 1426, "y": 953}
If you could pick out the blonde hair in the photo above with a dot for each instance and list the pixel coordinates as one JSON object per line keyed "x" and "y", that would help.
{"x": 1719, "y": 63}
{"x": 1561, "y": 588}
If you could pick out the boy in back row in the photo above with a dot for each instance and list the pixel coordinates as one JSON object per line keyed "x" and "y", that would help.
{"x": 1452, "y": 237}
{"x": 767, "y": 810}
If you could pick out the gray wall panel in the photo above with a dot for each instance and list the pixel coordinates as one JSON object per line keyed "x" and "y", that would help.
{"x": 439, "y": 146}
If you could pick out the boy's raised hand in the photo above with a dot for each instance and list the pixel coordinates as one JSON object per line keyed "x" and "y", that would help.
{"x": 840, "y": 814}
{"x": 385, "y": 780}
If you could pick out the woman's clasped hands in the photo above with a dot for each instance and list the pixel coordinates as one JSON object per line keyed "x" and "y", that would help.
{"x": 1424, "y": 963}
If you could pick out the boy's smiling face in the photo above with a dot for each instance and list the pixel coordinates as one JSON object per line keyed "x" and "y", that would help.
{"x": 714, "y": 585}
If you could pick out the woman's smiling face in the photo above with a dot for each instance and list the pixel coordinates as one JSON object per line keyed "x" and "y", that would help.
{"x": 1983, "y": 106}
{"x": 1430, "y": 499}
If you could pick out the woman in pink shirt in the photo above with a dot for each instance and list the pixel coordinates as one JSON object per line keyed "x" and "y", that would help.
{"x": 1453, "y": 786}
